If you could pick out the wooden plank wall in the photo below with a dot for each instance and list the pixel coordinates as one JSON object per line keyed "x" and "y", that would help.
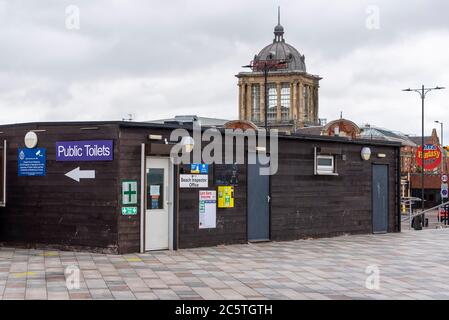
{"x": 304, "y": 205}
{"x": 231, "y": 223}
{"x": 56, "y": 210}
{"x": 131, "y": 140}
{"x": 59, "y": 211}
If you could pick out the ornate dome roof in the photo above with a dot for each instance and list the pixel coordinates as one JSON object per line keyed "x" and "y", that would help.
{"x": 280, "y": 50}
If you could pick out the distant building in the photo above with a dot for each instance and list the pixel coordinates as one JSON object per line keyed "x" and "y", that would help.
{"x": 408, "y": 150}
{"x": 336, "y": 128}
{"x": 292, "y": 92}
{"x": 410, "y": 171}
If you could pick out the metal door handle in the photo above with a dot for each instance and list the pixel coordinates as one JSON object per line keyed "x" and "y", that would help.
{"x": 268, "y": 198}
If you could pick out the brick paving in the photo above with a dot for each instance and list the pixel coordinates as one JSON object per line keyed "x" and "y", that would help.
{"x": 412, "y": 265}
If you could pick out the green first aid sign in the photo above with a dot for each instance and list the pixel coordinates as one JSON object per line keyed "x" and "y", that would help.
{"x": 129, "y": 192}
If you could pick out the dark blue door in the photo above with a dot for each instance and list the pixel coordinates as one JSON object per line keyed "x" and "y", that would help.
{"x": 258, "y": 204}
{"x": 380, "y": 198}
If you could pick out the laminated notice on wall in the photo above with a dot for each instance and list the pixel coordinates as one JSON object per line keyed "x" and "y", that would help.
{"x": 208, "y": 209}
{"x": 226, "y": 197}
{"x": 155, "y": 190}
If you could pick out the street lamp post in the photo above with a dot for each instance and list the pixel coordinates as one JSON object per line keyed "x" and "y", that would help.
{"x": 265, "y": 66}
{"x": 442, "y": 145}
{"x": 423, "y": 91}
{"x": 443, "y": 153}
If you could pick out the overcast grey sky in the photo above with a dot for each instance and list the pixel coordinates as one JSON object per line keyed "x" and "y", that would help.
{"x": 158, "y": 59}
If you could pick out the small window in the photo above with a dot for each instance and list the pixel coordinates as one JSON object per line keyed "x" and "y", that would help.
{"x": 155, "y": 187}
{"x": 325, "y": 165}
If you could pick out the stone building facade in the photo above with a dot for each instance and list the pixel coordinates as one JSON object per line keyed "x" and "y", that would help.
{"x": 292, "y": 92}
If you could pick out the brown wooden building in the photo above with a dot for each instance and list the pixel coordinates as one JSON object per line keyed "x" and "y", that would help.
{"x": 133, "y": 199}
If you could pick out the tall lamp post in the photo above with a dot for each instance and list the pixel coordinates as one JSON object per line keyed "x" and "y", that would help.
{"x": 442, "y": 145}
{"x": 423, "y": 91}
{"x": 266, "y": 66}
{"x": 443, "y": 153}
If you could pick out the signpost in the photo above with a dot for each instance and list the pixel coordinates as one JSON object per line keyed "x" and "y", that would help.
{"x": 31, "y": 162}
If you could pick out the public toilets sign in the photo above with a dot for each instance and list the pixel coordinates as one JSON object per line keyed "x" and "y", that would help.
{"x": 92, "y": 150}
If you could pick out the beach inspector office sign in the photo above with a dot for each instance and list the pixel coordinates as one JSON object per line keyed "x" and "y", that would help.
{"x": 193, "y": 181}
{"x": 91, "y": 150}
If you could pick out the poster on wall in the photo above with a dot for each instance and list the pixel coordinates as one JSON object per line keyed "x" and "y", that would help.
{"x": 207, "y": 210}
{"x": 32, "y": 162}
{"x": 225, "y": 197}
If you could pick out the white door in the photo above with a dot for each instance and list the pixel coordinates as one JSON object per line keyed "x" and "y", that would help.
{"x": 157, "y": 211}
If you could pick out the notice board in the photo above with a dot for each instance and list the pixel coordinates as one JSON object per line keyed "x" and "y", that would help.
{"x": 208, "y": 209}
{"x": 226, "y": 174}
{"x": 32, "y": 162}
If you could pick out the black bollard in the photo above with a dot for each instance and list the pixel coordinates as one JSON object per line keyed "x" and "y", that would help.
{"x": 417, "y": 223}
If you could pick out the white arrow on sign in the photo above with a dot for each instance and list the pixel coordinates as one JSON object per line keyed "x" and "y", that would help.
{"x": 77, "y": 174}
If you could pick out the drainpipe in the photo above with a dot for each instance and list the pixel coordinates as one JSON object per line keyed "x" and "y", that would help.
{"x": 398, "y": 186}
{"x": 142, "y": 199}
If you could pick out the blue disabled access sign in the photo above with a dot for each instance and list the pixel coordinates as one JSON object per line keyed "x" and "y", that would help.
{"x": 32, "y": 162}
{"x": 200, "y": 168}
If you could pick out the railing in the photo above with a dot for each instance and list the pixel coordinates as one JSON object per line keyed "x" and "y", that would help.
{"x": 409, "y": 201}
{"x": 426, "y": 211}
{"x": 411, "y": 215}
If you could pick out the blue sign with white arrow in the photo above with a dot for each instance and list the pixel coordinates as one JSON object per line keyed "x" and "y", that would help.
{"x": 444, "y": 190}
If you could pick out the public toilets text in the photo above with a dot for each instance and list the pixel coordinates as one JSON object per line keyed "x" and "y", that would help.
{"x": 91, "y": 151}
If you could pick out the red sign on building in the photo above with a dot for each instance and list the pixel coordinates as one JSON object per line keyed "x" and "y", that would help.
{"x": 432, "y": 157}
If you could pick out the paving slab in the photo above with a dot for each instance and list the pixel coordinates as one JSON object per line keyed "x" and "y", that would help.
{"x": 410, "y": 265}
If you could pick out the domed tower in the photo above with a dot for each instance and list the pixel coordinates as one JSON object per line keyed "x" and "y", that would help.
{"x": 292, "y": 93}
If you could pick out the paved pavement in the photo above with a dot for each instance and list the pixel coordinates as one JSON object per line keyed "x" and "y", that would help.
{"x": 411, "y": 265}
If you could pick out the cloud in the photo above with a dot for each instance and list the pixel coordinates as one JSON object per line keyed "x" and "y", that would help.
{"x": 156, "y": 59}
